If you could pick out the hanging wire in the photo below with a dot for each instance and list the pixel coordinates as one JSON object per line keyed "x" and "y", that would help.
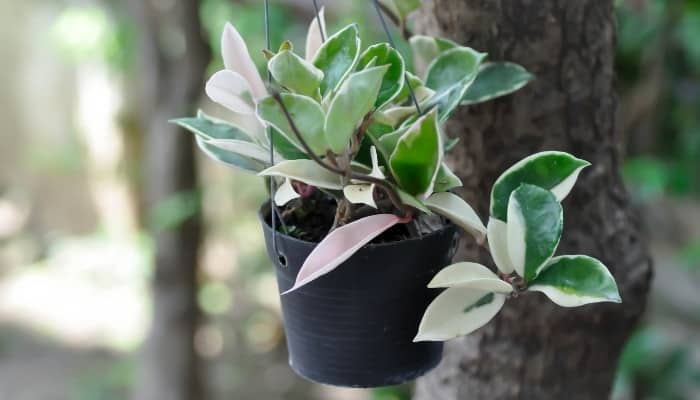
{"x": 318, "y": 21}
{"x": 274, "y": 214}
{"x": 393, "y": 45}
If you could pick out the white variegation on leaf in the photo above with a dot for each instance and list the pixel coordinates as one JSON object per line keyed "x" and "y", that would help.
{"x": 244, "y": 148}
{"x": 572, "y": 281}
{"x": 457, "y": 210}
{"x": 553, "y": 170}
{"x": 496, "y": 79}
{"x": 446, "y": 179}
{"x": 228, "y": 158}
{"x": 232, "y": 91}
{"x": 363, "y": 193}
{"x": 295, "y": 73}
{"x": 535, "y": 224}
{"x": 236, "y": 58}
{"x": 306, "y": 171}
{"x": 458, "y": 311}
{"x": 417, "y": 156}
{"x": 469, "y": 275}
{"x": 315, "y": 35}
{"x": 354, "y": 99}
{"x": 285, "y": 193}
{"x": 497, "y": 234}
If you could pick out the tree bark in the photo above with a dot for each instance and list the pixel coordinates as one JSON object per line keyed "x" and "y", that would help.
{"x": 535, "y": 349}
{"x": 173, "y": 57}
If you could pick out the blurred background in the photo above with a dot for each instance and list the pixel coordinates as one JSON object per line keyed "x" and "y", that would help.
{"x": 81, "y": 220}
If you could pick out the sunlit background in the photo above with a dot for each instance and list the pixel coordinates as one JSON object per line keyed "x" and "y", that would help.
{"x": 76, "y": 259}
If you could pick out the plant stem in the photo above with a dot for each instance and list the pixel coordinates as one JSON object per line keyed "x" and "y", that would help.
{"x": 391, "y": 193}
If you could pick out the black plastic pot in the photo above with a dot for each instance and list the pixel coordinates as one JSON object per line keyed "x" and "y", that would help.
{"x": 354, "y": 327}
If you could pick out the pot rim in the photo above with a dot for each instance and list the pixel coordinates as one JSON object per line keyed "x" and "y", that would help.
{"x": 441, "y": 230}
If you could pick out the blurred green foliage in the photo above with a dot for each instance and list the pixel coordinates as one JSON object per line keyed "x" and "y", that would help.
{"x": 650, "y": 368}
{"x": 665, "y": 32}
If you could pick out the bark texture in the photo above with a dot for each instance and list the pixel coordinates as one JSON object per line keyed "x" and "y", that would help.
{"x": 535, "y": 349}
{"x": 173, "y": 57}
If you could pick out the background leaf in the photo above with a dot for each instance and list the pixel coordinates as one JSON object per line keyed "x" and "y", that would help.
{"x": 496, "y": 79}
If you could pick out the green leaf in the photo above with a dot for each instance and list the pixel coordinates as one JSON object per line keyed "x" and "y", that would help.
{"x": 418, "y": 156}
{"x": 457, "y": 210}
{"x": 450, "y": 75}
{"x": 412, "y": 201}
{"x": 337, "y": 57}
{"x": 383, "y": 54}
{"x": 446, "y": 180}
{"x": 209, "y": 128}
{"x": 426, "y": 49}
{"x": 352, "y": 102}
{"x": 228, "y": 158}
{"x": 535, "y": 223}
{"x": 572, "y": 281}
{"x": 306, "y": 171}
{"x": 295, "y": 73}
{"x": 244, "y": 148}
{"x": 469, "y": 275}
{"x": 418, "y": 87}
{"x": 496, "y": 80}
{"x": 553, "y": 170}
{"x": 458, "y": 311}
{"x": 306, "y": 114}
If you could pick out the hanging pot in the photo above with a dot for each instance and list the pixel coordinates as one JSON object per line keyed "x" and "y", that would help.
{"x": 354, "y": 327}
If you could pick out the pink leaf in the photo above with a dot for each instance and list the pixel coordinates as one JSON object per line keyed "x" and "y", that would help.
{"x": 340, "y": 245}
{"x": 237, "y": 58}
{"x": 230, "y": 89}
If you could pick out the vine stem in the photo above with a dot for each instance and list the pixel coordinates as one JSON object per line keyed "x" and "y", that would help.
{"x": 390, "y": 191}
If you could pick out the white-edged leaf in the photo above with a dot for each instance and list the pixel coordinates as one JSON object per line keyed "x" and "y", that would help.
{"x": 285, "y": 193}
{"x": 244, "y": 148}
{"x": 295, "y": 73}
{"x": 457, "y": 210}
{"x": 450, "y": 75}
{"x": 535, "y": 224}
{"x": 315, "y": 34}
{"x": 352, "y": 102}
{"x": 337, "y": 57}
{"x": 497, "y": 234}
{"x": 457, "y": 312}
{"x": 307, "y": 115}
{"x": 209, "y": 128}
{"x": 393, "y": 80}
{"x": 553, "y": 170}
{"x": 237, "y": 58}
{"x": 572, "y": 281}
{"x": 340, "y": 245}
{"x": 496, "y": 79}
{"x": 417, "y": 156}
{"x": 232, "y": 91}
{"x": 470, "y": 275}
{"x": 446, "y": 179}
{"x": 228, "y": 158}
{"x": 306, "y": 171}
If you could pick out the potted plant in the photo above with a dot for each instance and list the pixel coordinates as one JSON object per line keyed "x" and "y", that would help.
{"x": 365, "y": 222}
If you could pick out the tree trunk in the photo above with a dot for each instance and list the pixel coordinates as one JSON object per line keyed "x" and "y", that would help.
{"x": 535, "y": 349}
{"x": 173, "y": 59}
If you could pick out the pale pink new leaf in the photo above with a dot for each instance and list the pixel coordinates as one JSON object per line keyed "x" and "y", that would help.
{"x": 314, "y": 39}
{"x": 340, "y": 245}
{"x": 237, "y": 58}
{"x": 231, "y": 90}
